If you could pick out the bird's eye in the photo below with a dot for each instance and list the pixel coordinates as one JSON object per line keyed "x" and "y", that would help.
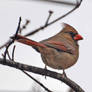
{"x": 72, "y": 34}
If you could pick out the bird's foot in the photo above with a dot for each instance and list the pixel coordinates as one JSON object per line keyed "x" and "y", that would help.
{"x": 64, "y": 74}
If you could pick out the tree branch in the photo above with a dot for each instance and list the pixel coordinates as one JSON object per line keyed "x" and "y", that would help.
{"x": 41, "y": 71}
{"x": 54, "y": 21}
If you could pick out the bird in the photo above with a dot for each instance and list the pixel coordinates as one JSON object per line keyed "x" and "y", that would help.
{"x": 60, "y": 51}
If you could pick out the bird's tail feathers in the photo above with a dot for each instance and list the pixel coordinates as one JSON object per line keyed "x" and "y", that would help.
{"x": 27, "y": 41}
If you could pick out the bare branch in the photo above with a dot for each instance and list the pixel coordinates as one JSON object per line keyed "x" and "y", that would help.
{"x": 54, "y": 21}
{"x": 11, "y": 41}
{"x": 41, "y": 71}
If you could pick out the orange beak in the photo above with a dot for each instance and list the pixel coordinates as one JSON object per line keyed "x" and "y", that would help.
{"x": 78, "y": 37}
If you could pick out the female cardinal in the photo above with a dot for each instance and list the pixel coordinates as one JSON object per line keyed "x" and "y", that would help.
{"x": 60, "y": 51}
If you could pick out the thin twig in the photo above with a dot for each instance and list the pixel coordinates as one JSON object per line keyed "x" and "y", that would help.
{"x": 13, "y": 53}
{"x": 50, "y": 13}
{"x": 37, "y": 82}
{"x": 9, "y": 55}
{"x": 5, "y": 53}
{"x": 24, "y": 26}
{"x": 54, "y": 21}
{"x": 12, "y": 40}
{"x": 9, "y": 42}
{"x": 19, "y": 30}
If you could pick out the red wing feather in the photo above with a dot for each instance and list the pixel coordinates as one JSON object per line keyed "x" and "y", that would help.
{"x": 29, "y": 42}
{"x": 58, "y": 45}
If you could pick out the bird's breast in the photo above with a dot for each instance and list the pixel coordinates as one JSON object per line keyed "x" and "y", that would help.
{"x": 58, "y": 60}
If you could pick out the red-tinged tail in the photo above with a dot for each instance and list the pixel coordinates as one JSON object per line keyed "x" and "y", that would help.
{"x": 27, "y": 41}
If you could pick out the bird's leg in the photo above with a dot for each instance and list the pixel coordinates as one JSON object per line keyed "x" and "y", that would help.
{"x": 45, "y": 69}
{"x": 64, "y": 74}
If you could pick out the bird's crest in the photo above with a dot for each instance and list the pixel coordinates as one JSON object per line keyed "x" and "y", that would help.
{"x": 67, "y": 27}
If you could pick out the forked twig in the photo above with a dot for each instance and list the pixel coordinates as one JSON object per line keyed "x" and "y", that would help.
{"x": 54, "y": 21}
{"x": 19, "y": 30}
{"x": 50, "y": 13}
{"x": 12, "y": 40}
{"x": 42, "y": 27}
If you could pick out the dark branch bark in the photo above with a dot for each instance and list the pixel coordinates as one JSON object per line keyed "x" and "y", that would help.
{"x": 41, "y": 71}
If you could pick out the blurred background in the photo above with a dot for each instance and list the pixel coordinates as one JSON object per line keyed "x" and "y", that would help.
{"x": 12, "y": 80}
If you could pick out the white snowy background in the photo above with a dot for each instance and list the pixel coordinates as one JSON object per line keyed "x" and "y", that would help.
{"x": 37, "y": 12}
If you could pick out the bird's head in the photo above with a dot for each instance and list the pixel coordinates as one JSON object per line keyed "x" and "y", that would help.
{"x": 72, "y": 32}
